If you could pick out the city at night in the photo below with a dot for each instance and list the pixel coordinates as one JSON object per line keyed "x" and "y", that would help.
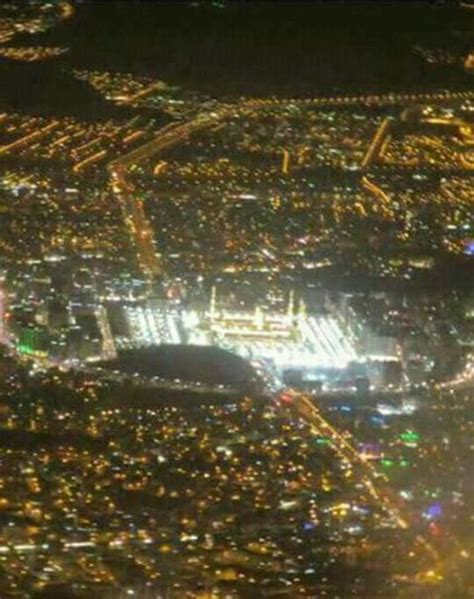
{"x": 236, "y": 299}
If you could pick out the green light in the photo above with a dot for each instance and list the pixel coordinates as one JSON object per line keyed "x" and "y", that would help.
{"x": 23, "y": 348}
{"x": 28, "y": 350}
{"x": 322, "y": 441}
{"x": 404, "y": 463}
{"x": 410, "y": 436}
{"x": 387, "y": 463}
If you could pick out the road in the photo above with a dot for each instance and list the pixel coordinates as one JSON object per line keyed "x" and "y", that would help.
{"x": 464, "y": 379}
{"x": 143, "y": 93}
{"x": 374, "y": 100}
{"x": 384, "y": 201}
{"x": 349, "y": 455}
{"x": 377, "y": 142}
{"x": 108, "y": 346}
{"x": 4, "y": 336}
{"x": 27, "y": 139}
{"x": 138, "y": 225}
{"x": 132, "y": 206}
{"x": 168, "y": 136}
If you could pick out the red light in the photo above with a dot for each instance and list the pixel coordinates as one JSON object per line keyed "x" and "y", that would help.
{"x": 286, "y": 397}
{"x": 435, "y": 529}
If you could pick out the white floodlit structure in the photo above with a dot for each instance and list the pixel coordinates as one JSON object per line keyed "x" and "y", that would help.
{"x": 290, "y": 340}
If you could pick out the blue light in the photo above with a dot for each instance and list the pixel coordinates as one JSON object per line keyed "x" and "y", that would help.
{"x": 469, "y": 247}
{"x": 434, "y": 511}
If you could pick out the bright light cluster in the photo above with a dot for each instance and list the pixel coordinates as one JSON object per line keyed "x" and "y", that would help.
{"x": 300, "y": 343}
{"x": 317, "y": 343}
{"x": 151, "y": 326}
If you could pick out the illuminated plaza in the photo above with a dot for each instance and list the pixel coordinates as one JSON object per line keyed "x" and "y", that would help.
{"x": 278, "y": 340}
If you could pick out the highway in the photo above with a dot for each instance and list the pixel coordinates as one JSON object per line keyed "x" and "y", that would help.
{"x": 379, "y": 194}
{"x": 137, "y": 225}
{"x": 377, "y": 142}
{"x": 371, "y": 479}
{"x": 134, "y": 214}
{"x": 343, "y": 447}
{"x": 168, "y": 136}
{"x": 374, "y": 100}
{"x": 132, "y": 207}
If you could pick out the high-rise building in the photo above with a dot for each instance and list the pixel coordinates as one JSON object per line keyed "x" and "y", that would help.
{"x": 33, "y": 340}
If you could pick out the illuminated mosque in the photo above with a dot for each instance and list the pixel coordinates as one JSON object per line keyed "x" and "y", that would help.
{"x": 290, "y": 339}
